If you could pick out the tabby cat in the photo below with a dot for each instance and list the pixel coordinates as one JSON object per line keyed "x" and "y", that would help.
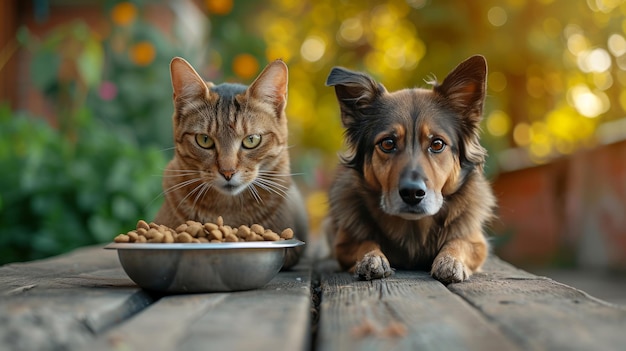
{"x": 231, "y": 155}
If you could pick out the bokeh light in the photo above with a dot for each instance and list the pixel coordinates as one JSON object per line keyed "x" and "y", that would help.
{"x": 142, "y": 53}
{"x": 123, "y": 13}
{"x": 245, "y": 66}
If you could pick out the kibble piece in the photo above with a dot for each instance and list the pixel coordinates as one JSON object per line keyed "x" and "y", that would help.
{"x": 142, "y": 224}
{"x": 287, "y": 234}
{"x": 196, "y": 232}
{"x": 157, "y": 237}
{"x": 151, "y": 233}
{"x": 194, "y": 229}
{"x": 243, "y": 231}
{"x": 257, "y": 228}
{"x": 184, "y": 237}
{"x": 210, "y": 226}
{"x": 270, "y": 236}
{"x": 226, "y": 230}
{"x": 255, "y": 237}
{"x": 132, "y": 235}
{"x": 216, "y": 234}
{"x": 168, "y": 238}
{"x": 122, "y": 238}
{"x": 231, "y": 238}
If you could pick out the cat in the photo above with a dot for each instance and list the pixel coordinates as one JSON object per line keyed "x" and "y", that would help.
{"x": 231, "y": 155}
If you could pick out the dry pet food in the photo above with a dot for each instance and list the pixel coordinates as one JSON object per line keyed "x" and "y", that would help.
{"x": 196, "y": 232}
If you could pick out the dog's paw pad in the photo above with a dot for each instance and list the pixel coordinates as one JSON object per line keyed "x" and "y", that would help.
{"x": 448, "y": 269}
{"x": 373, "y": 266}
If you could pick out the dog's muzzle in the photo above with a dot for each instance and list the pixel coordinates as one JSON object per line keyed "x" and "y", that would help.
{"x": 412, "y": 192}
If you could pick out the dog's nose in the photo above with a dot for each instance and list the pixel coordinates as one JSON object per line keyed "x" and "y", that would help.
{"x": 412, "y": 191}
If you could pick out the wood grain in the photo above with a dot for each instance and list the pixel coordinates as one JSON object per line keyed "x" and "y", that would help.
{"x": 275, "y": 317}
{"x": 538, "y": 313}
{"x": 59, "y": 303}
{"x": 84, "y": 300}
{"x": 407, "y": 311}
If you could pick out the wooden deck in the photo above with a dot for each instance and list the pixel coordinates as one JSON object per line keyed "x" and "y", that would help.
{"x": 85, "y": 301}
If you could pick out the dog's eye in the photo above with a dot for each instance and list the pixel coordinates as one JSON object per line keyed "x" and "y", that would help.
{"x": 387, "y": 145}
{"x": 437, "y": 146}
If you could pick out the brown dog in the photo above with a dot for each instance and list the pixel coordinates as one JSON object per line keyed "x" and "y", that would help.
{"x": 410, "y": 193}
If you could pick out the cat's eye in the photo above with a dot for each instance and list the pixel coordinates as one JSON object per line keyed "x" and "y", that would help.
{"x": 437, "y": 146}
{"x": 204, "y": 141}
{"x": 251, "y": 141}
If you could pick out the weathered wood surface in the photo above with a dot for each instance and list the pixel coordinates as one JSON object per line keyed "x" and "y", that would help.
{"x": 84, "y": 300}
{"x": 407, "y": 311}
{"x": 539, "y": 313}
{"x": 57, "y": 303}
{"x": 275, "y": 317}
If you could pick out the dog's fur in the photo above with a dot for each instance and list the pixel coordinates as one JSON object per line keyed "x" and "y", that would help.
{"x": 410, "y": 193}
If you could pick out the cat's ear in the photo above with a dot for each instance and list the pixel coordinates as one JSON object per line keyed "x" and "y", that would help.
{"x": 186, "y": 82}
{"x": 271, "y": 86}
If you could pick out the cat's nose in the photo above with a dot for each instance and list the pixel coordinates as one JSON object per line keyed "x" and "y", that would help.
{"x": 227, "y": 173}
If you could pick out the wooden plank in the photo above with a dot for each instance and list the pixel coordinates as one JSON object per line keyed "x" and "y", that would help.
{"x": 276, "y": 317}
{"x": 541, "y": 314}
{"x": 62, "y": 302}
{"x": 407, "y": 311}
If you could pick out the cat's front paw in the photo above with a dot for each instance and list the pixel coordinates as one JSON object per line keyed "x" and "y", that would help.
{"x": 449, "y": 269}
{"x": 374, "y": 265}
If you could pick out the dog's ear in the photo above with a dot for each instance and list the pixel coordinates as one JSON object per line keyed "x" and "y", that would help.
{"x": 464, "y": 88}
{"x": 464, "y": 91}
{"x": 354, "y": 91}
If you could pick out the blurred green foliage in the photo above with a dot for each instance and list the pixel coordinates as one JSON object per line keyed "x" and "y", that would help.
{"x": 57, "y": 194}
{"x": 97, "y": 168}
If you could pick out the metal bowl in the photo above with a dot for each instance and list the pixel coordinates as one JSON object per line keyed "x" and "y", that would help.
{"x": 199, "y": 267}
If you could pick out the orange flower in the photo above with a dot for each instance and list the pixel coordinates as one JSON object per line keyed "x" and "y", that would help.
{"x": 219, "y": 7}
{"x": 142, "y": 53}
{"x": 245, "y": 66}
{"x": 123, "y": 13}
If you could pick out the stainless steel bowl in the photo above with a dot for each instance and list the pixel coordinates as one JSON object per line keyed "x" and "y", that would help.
{"x": 196, "y": 268}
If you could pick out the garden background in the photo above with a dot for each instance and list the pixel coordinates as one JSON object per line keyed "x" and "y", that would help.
{"x": 85, "y": 107}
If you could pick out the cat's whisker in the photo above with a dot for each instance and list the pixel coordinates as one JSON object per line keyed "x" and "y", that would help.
{"x": 255, "y": 193}
{"x": 271, "y": 186}
{"x": 179, "y": 173}
{"x": 272, "y": 183}
{"x": 277, "y": 174}
{"x": 181, "y": 185}
{"x": 182, "y": 171}
{"x": 176, "y": 175}
{"x": 203, "y": 191}
{"x": 196, "y": 189}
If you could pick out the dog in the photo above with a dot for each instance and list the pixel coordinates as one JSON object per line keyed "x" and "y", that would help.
{"x": 410, "y": 192}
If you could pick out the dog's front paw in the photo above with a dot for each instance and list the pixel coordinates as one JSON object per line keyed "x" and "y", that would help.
{"x": 374, "y": 265}
{"x": 449, "y": 269}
